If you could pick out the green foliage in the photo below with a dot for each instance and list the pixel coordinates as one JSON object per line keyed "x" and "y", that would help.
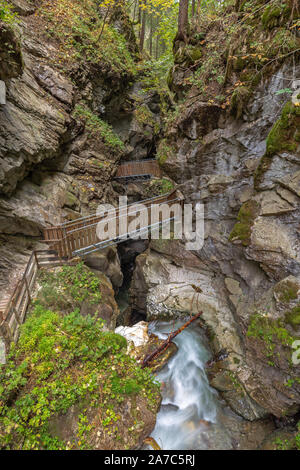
{"x": 59, "y": 362}
{"x": 79, "y": 283}
{"x": 287, "y": 292}
{"x": 83, "y": 37}
{"x": 161, "y": 186}
{"x": 98, "y": 127}
{"x": 271, "y": 332}
{"x": 164, "y": 152}
{"x": 7, "y": 15}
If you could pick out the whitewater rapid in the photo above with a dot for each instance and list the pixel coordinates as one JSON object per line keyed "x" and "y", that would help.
{"x": 189, "y": 405}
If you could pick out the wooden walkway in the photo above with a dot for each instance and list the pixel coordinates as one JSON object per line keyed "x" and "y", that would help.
{"x": 139, "y": 170}
{"x": 79, "y": 237}
{"x": 66, "y": 241}
{"x": 13, "y": 308}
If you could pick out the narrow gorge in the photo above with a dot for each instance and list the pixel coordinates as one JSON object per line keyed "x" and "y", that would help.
{"x": 217, "y": 112}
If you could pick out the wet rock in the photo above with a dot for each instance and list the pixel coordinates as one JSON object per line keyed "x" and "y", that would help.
{"x": 141, "y": 344}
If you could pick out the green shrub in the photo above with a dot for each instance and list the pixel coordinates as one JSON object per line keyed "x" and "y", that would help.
{"x": 60, "y": 362}
{"x": 7, "y": 15}
{"x": 98, "y": 127}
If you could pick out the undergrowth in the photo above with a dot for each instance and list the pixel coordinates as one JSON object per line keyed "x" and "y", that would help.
{"x": 79, "y": 28}
{"x": 61, "y": 361}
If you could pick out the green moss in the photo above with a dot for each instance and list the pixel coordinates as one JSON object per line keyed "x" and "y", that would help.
{"x": 195, "y": 53}
{"x": 293, "y": 317}
{"x": 246, "y": 217}
{"x": 97, "y": 127}
{"x": 274, "y": 15}
{"x": 287, "y": 291}
{"x": 270, "y": 331}
{"x": 164, "y": 152}
{"x": 280, "y": 138}
{"x": 162, "y": 186}
{"x": 271, "y": 16}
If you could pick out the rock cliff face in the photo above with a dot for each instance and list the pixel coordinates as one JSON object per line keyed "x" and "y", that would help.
{"x": 58, "y": 158}
{"x": 243, "y": 166}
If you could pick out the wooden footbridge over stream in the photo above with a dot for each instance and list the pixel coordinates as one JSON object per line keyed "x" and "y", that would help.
{"x": 75, "y": 239}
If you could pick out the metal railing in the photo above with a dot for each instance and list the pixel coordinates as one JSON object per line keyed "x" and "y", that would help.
{"x": 68, "y": 239}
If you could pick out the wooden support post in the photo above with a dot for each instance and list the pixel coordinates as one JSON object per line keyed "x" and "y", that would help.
{"x": 27, "y": 288}
{"x": 36, "y": 259}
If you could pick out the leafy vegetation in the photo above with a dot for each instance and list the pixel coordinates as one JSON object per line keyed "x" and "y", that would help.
{"x": 97, "y": 127}
{"x": 77, "y": 283}
{"x": 271, "y": 332}
{"x": 84, "y": 36}
{"x": 59, "y": 362}
{"x": 161, "y": 186}
{"x": 7, "y": 15}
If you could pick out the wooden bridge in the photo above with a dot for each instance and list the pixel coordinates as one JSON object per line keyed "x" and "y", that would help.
{"x": 139, "y": 170}
{"x": 79, "y": 237}
{"x": 66, "y": 241}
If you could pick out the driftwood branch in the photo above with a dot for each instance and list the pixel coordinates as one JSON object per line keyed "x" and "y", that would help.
{"x": 167, "y": 342}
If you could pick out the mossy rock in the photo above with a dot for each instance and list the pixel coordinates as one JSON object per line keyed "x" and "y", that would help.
{"x": 282, "y": 137}
{"x": 161, "y": 186}
{"x": 170, "y": 79}
{"x": 188, "y": 55}
{"x": 164, "y": 152}
{"x": 246, "y": 216}
{"x": 195, "y": 53}
{"x": 274, "y": 15}
{"x": 292, "y": 317}
{"x": 286, "y": 291}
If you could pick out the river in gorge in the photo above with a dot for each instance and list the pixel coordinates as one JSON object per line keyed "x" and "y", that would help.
{"x": 189, "y": 406}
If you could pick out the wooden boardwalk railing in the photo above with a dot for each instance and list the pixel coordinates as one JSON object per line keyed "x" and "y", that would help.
{"x": 65, "y": 241}
{"x": 72, "y": 238}
{"x": 138, "y": 170}
{"x": 13, "y": 309}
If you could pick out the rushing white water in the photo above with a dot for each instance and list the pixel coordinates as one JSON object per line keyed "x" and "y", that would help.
{"x": 189, "y": 403}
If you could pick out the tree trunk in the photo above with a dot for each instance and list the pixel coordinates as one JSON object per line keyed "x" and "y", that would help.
{"x": 142, "y": 34}
{"x": 183, "y": 19}
{"x": 151, "y": 35}
{"x": 136, "y": 5}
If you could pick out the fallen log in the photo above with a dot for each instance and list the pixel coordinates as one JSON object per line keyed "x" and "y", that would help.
{"x": 167, "y": 342}
{"x": 152, "y": 442}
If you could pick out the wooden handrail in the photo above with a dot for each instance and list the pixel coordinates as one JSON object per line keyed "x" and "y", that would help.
{"x": 81, "y": 233}
{"x": 139, "y": 167}
{"x": 14, "y": 313}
